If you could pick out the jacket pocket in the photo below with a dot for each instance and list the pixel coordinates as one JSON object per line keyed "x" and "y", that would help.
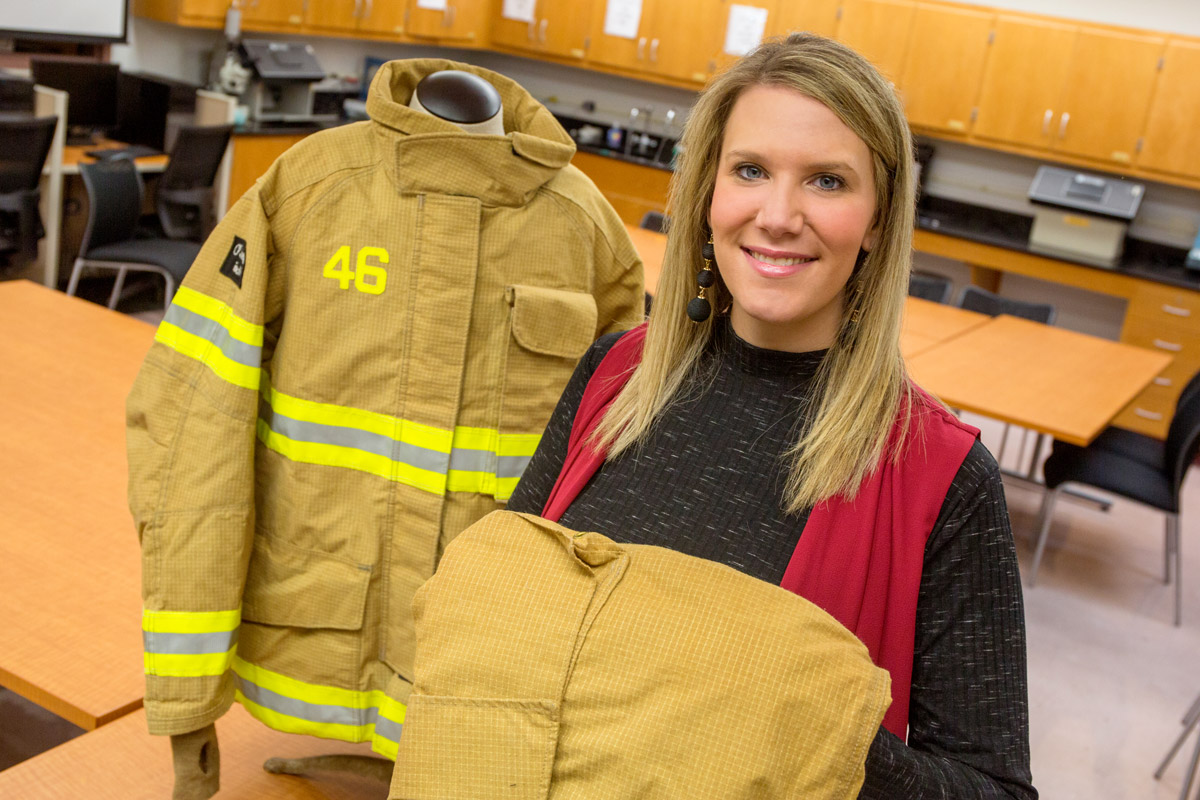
{"x": 551, "y": 330}
{"x": 475, "y": 747}
{"x": 292, "y": 587}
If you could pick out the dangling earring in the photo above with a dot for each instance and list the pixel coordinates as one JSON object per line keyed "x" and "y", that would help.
{"x": 699, "y": 309}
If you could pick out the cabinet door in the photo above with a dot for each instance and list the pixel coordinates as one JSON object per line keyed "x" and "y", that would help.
{"x": 815, "y": 16}
{"x": 621, "y": 50}
{"x": 204, "y": 9}
{"x": 1027, "y": 65}
{"x": 944, "y": 67}
{"x": 334, "y": 15}
{"x": 879, "y": 29}
{"x": 562, "y": 27}
{"x": 726, "y": 19}
{"x": 683, "y": 38}
{"x": 1171, "y": 142}
{"x": 272, "y": 13}
{"x": 520, "y": 34}
{"x": 1108, "y": 94}
{"x": 382, "y": 17}
{"x": 446, "y": 20}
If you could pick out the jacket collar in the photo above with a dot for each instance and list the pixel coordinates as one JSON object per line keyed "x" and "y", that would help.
{"x": 428, "y": 154}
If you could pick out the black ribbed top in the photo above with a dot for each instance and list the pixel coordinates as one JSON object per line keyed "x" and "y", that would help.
{"x": 708, "y": 481}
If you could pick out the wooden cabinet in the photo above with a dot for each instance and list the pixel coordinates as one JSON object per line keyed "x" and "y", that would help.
{"x": 193, "y": 13}
{"x": 625, "y": 52}
{"x": 204, "y": 9}
{"x": 1027, "y": 65}
{"x": 336, "y": 16}
{"x": 272, "y": 14}
{"x": 1171, "y": 142}
{"x": 558, "y": 27}
{"x": 814, "y": 16}
{"x": 673, "y": 39}
{"x": 252, "y": 156}
{"x": 937, "y": 95}
{"x": 462, "y": 21}
{"x": 1107, "y": 95}
{"x": 724, "y": 18}
{"x": 879, "y": 29}
{"x": 371, "y": 17}
{"x": 631, "y": 188}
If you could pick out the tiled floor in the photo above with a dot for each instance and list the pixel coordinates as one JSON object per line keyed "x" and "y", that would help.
{"x": 1109, "y": 676}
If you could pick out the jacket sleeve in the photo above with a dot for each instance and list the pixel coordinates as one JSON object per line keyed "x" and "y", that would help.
{"x": 191, "y": 427}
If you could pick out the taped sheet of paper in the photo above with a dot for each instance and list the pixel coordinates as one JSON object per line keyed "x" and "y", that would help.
{"x": 745, "y": 30}
{"x": 520, "y": 10}
{"x": 432, "y": 5}
{"x": 623, "y": 18}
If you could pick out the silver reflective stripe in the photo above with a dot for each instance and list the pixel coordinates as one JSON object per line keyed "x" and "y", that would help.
{"x": 375, "y": 443}
{"x": 464, "y": 460}
{"x": 387, "y": 729}
{"x": 189, "y": 644}
{"x": 512, "y": 466}
{"x": 246, "y": 354}
{"x": 317, "y": 712}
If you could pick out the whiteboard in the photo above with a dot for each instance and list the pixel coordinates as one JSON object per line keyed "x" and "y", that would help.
{"x": 88, "y": 20}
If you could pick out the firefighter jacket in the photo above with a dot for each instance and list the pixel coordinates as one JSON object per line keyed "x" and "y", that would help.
{"x": 555, "y": 664}
{"x": 357, "y": 367}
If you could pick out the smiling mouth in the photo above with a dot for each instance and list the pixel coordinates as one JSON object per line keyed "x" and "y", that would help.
{"x": 776, "y": 261}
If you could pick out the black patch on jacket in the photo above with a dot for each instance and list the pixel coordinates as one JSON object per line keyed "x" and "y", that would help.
{"x": 234, "y": 265}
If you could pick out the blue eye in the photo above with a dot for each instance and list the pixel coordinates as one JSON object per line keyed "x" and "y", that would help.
{"x": 830, "y": 182}
{"x": 750, "y": 172}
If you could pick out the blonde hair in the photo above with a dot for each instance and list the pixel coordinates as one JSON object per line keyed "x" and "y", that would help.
{"x": 861, "y": 383}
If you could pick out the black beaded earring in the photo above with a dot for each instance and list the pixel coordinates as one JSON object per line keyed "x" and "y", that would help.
{"x": 699, "y": 308}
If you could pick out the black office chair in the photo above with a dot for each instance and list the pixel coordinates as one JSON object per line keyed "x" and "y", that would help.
{"x": 930, "y": 286}
{"x": 655, "y": 221}
{"x": 184, "y": 198}
{"x": 1133, "y": 466}
{"x": 110, "y": 242}
{"x": 24, "y": 145}
{"x": 982, "y": 301}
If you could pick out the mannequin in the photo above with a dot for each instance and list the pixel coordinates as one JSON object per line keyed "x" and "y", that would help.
{"x": 464, "y": 99}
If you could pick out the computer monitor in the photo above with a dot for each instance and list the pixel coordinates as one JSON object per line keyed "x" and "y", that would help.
{"x": 142, "y": 106}
{"x": 92, "y": 90}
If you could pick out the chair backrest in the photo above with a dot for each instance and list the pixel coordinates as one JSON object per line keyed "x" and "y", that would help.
{"x": 928, "y": 286}
{"x": 1183, "y": 435}
{"x": 24, "y": 144}
{"x": 114, "y": 191}
{"x": 975, "y": 299}
{"x": 186, "y": 187}
{"x": 654, "y": 221}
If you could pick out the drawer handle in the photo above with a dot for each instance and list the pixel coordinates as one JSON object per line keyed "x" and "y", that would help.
{"x": 1150, "y": 415}
{"x": 1162, "y": 381}
{"x": 1177, "y": 311}
{"x": 1171, "y": 346}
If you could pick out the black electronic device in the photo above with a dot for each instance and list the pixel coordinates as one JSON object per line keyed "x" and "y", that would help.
{"x": 16, "y": 96}
{"x": 91, "y": 87}
{"x": 142, "y": 107}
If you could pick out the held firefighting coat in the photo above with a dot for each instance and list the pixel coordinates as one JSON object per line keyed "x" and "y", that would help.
{"x": 357, "y": 367}
{"x": 557, "y": 664}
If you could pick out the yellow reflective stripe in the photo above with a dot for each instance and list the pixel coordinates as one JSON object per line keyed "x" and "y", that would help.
{"x": 330, "y": 455}
{"x": 506, "y": 444}
{"x": 209, "y": 354}
{"x": 175, "y": 665}
{"x": 344, "y": 416}
{"x": 190, "y": 621}
{"x": 221, "y": 313}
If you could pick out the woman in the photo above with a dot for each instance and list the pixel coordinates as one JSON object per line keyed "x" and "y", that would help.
{"x": 781, "y": 435}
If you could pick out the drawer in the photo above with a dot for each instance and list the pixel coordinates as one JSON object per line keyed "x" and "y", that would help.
{"x": 1156, "y": 300}
{"x": 1144, "y": 421}
{"x": 1168, "y": 334}
{"x": 1151, "y": 411}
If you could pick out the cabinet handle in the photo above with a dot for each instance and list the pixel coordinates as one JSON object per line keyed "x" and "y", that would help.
{"x": 529, "y": 32}
{"x": 1046, "y": 121}
{"x": 357, "y": 8}
{"x": 654, "y": 50}
{"x": 1163, "y": 381}
{"x": 542, "y": 31}
{"x": 1177, "y": 311}
{"x": 1062, "y": 124}
{"x": 369, "y": 8}
{"x": 1150, "y": 415}
{"x": 1170, "y": 346}
{"x": 641, "y": 48}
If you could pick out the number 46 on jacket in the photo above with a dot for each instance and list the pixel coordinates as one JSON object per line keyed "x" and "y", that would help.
{"x": 367, "y": 277}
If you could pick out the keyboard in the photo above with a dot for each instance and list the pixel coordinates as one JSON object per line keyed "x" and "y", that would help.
{"x": 132, "y": 151}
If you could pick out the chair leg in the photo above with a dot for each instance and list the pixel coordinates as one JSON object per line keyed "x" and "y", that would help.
{"x": 1168, "y": 549}
{"x": 1033, "y": 461}
{"x": 1190, "y": 721}
{"x": 1045, "y": 517}
{"x": 73, "y": 283}
{"x": 118, "y": 285}
{"x": 1003, "y": 445}
{"x": 1173, "y": 522}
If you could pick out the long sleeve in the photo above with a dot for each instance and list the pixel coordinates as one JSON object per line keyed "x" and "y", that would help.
{"x": 191, "y": 429}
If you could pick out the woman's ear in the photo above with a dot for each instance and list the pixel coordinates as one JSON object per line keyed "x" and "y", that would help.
{"x": 871, "y": 237}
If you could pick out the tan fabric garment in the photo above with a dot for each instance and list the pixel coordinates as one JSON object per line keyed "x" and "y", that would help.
{"x": 552, "y": 664}
{"x": 357, "y": 367}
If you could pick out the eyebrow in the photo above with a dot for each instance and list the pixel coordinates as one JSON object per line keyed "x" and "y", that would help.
{"x": 830, "y": 166}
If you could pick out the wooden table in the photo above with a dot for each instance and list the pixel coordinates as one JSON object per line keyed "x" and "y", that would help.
{"x": 70, "y": 599}
{"x": 122, "y": 762}
{"x": 1055, "y": 381}
{"x": 74, "y": 155}
{"x": 927, "y": 324}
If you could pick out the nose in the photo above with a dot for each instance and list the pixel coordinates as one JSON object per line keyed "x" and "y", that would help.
{"x": 781, "y": 212}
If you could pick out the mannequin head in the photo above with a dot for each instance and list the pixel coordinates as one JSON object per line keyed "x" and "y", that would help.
{"x": 464, "y": 99}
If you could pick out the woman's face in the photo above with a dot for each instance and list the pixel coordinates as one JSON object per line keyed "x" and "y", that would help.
{"x": 792, "y": 207}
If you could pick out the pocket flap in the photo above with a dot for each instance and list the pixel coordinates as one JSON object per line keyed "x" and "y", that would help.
{"x": 298, "y": 588}
{"x": 553, "y": 322}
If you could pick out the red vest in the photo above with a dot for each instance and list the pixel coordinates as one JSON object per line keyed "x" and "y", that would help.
{"x": 859, "y": 560}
